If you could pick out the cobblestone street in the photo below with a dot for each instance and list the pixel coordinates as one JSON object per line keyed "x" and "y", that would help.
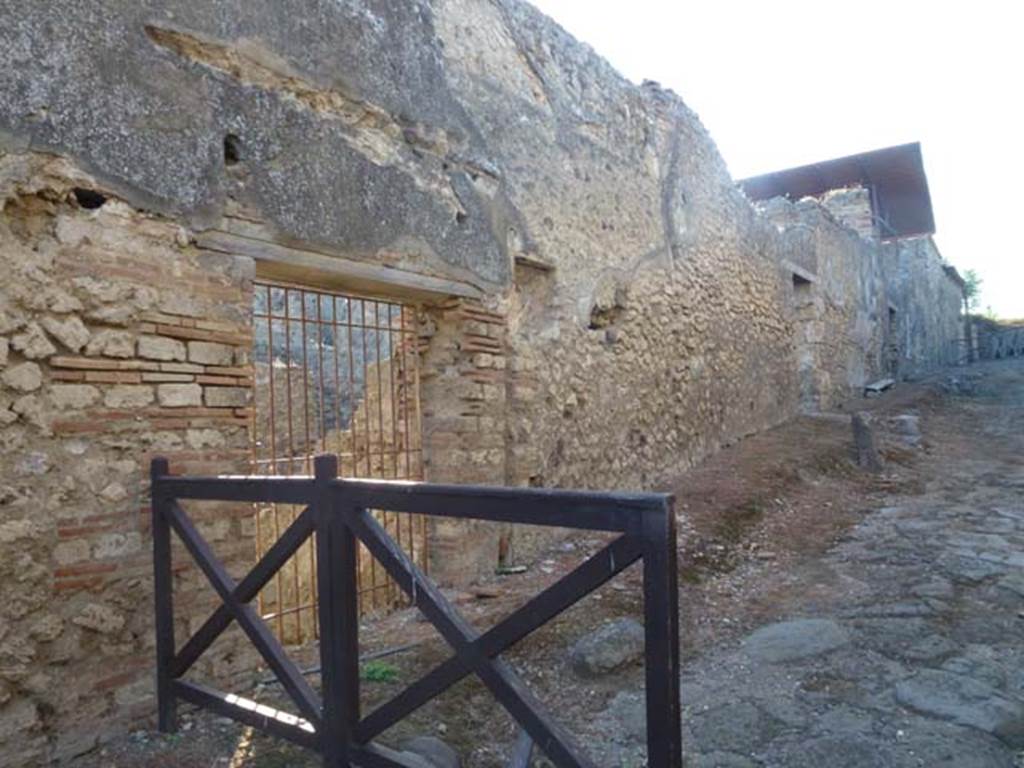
{"x": 911, "y": 655}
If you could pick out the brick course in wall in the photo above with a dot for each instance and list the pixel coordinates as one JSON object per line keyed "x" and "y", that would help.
{"x": 463, "y": 364}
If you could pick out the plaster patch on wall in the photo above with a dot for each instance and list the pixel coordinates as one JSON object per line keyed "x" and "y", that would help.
{"x": 378, "y": 136}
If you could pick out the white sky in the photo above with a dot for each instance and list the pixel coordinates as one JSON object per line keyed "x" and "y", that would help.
{"x": 791, "y": 82}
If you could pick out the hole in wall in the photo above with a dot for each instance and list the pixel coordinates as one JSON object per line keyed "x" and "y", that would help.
{"x": 232, "y": 150}
{"x": 601, "y": 317}
{"x": 461, "y": 217}
{"x": 89, "y": 199}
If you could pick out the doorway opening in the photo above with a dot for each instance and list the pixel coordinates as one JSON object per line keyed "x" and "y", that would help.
{"x": 333, "y": 373}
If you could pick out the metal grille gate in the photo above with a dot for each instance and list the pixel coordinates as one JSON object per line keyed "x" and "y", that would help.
{"x": 338, "y": 374}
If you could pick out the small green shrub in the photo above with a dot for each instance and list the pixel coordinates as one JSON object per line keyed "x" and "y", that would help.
{"x": 378, "y": 672}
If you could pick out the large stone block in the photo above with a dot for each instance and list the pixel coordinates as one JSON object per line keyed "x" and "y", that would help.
{"x": 68, "y": 552}
{"x": 226, "y": 397}
{"x": 210, "y": 353}
{"x": 607, "y": 648}
{"x": 117, "y": 545}
{"x": 161, "y": 348}
{"x": 111, "y": 343}
{"x": 47, "y": 628}
{"x": 434, "y": 751}
{"x": 19, "y": 718}
{"x": 179, "y": 395}
{"x": 140, "y": 692}
{"x": 205, "y": 438}
{"x": 798, "y": 639}
{"x": 73, "y": 397}
{"x": 25, "y": 377}
{"x": 71, "y": 332}
{"x": 864, "y": 441}
{"x": 129, "y": 396}
{"x": 33, "y": 343}
{"x": 100, "y": 618}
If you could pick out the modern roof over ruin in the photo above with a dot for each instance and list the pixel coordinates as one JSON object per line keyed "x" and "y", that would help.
{"x": 895, "y": 176}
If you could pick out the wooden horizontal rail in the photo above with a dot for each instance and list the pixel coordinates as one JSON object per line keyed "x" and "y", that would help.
{"x": 553, "y": 509}
{"x": 280, "y": 490}
{"x": 528, "y": 506}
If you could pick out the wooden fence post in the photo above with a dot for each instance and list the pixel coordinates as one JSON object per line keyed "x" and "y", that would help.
{"x": 661, "y": 624}
{"x": 339, "y": 617}
{"x": 163, "y": 591}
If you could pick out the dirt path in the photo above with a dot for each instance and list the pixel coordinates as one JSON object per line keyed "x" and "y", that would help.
{"x": 831, "y": 617}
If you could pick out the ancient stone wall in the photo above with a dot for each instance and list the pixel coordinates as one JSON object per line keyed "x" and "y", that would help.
{"x": 922, "y": 319}
{"x": 600, "y": 306}
{"x": 840, "y": 299}
{"x": 993, "y": 340}
{"x": 852, "y": 207}
{"x": 927, "y": 303}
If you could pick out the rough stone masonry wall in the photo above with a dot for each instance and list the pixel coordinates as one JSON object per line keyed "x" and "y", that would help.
{"x": 634, "y": 312}
{"x": 841, "y": 327}
{"x": 926, "y": 328}
{"x": 646, "y": 321}
{"x": 118, "y": 341}
{"x": 852, "y": 207}
{"x": 927, "y": 301}
{"x": 993, "y": 340}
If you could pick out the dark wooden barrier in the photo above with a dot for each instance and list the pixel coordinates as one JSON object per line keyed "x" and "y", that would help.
{"x": 337, "y": 511}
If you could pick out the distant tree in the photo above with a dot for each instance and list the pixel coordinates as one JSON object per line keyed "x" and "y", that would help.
{"x": 972, "y": 289}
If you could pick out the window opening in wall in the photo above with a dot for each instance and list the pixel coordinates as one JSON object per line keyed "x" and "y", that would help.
{"x": 801, "y": 289}
{"x": 334, "y": 373}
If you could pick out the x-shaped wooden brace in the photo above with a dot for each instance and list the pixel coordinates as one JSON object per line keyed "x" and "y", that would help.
{"x": 476, "y": 653}
{"x": 235, "y": 599}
